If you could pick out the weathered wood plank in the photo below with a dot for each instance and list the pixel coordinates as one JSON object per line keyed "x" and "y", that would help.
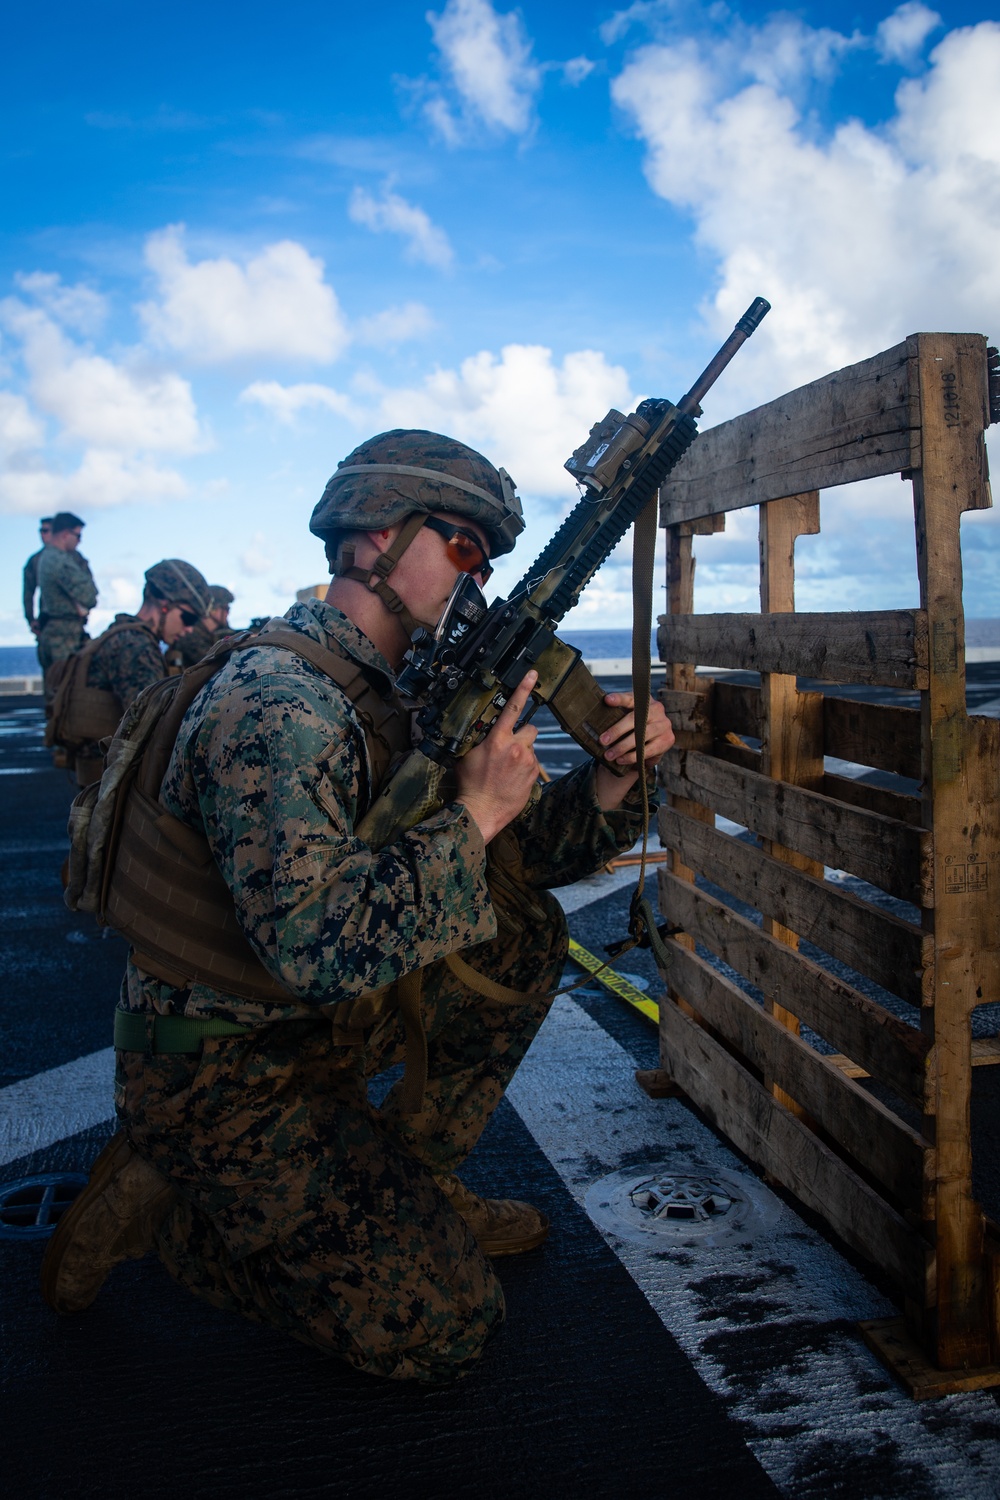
{"x": 681, "y": 679}
{"x": 871, "y": 941}
{"x": 878, "y": 1140}
{"x": 960, "y": 770}
{"x": 873, "y": 734}
{"x": 853, "y": 424}
{"x": 745, "y": 1112}
{"x": 791, "y": 723}
{"x": 889, "y": 854}
{"x": 900, "y": 806}
{"x": 985, "y": 1054}
{"x": 689, "y": 713}
{"x": 886, "y": 1047}
{"x": 736, "y": 706}
{"x": 886, "y": 648}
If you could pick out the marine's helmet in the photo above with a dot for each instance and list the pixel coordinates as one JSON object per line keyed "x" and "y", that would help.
{"x": 219, "y": 596}
{"x": 180, "y": 583}
{"x": 406, "y": 472}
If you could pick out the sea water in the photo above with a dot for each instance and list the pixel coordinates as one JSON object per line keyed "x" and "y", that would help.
{"x": 596, "y": 645}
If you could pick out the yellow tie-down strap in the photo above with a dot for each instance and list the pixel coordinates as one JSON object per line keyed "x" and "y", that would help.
{"x": 615, "y": 982}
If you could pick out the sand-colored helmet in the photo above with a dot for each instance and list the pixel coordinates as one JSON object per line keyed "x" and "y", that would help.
{"x": 407, "y": 471}
{"x": 180, "y": 583}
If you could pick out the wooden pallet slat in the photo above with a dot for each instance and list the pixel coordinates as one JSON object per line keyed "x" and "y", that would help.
{"x": 901, "y": 807}
{"x": 884, "y": 648}
{"x": 879, "y": 1141}
{"x": 854, "y": 424}
{"x": 872, "y": 942}
{"x": 873, "y": 734}
{"x": 885, "y": 1046}
{"x": 887, "y": 853}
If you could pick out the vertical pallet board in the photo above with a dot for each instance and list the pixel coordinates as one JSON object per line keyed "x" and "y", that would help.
{"x": 960, "y": 807}
{"x": 791, "y": 723}
{"x": 903, "y": 1196}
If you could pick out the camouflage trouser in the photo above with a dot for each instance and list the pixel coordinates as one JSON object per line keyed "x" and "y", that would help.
{"x": 305, "y": 1207}
{"x": 57, "y": 640}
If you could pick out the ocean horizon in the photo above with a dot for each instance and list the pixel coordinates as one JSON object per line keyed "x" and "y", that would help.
{"x": 596, "y": 645}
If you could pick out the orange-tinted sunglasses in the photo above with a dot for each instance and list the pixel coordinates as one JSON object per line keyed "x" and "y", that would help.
{"x": 464, "y": 550}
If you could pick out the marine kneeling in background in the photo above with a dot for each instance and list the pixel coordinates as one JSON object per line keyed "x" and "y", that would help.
{"x": 250, "y": 1157}
{"x": 105, "y": 676}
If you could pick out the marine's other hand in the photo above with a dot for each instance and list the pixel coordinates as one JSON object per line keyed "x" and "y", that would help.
{"x": 619, "y": 743}
{"x": 495, "y": 779}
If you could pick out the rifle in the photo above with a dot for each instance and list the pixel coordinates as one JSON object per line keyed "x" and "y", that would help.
{"x": 463, "y": 672}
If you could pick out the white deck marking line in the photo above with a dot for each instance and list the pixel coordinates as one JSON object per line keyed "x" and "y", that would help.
{"x": 48, "y": 1107}
{"x": 764, "y": 1316}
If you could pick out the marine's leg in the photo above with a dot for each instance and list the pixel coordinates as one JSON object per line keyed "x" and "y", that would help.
{"x": 298, "y": 1210}
{"x": 475, "y": 1044}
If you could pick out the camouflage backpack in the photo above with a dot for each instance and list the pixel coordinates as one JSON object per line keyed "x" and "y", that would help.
{"x": 80, "y": 714}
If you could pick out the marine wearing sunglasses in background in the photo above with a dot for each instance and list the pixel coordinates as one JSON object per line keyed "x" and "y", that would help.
{"x": 122, "y": 661}
{"x": 254, "y": 1163}
{"x": 127, "y": 660}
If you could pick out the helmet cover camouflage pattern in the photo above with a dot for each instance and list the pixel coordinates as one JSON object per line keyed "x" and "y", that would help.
{"x": 180, "y": 583}
{"x": 220, "y": 596}
{"x": 354, "y": 501}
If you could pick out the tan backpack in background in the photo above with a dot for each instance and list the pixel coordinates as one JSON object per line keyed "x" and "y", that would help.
{"x": 82, "y": 715}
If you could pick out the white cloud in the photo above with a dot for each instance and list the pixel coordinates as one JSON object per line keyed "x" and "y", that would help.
{"x": 103, "y": 479}
{"x": 111, "y": 406}
{"x": 488, "y": 58}
{"x": 523, "y": 410}
{"x": 77, "y": 307}
{"x": 277, "y": 304}
{"x": 286, "y": 402}
{"x": 392, "y": 214}
{"x": 642, "y": 11}
{"x": 785, "y": 50}
{"x": 858, "y": 239}
{"x": 577, "y": 69}
{"x": 20, "y": 429}
{"x": 394, "y": 325}
{"x": 901, "y": 36}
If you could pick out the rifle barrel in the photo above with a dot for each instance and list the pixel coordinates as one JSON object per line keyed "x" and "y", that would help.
{"x": 750, "y": 320}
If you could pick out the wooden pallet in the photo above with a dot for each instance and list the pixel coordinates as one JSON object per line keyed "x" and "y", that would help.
{"x": 875, "y": 1138}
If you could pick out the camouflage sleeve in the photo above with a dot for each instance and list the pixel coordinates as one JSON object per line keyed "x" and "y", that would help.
{"x": 129, "y": 661}
{"x": 278, "y": 766}
{"x": 564, "y": 835}
{"x": 76, "y": 579}
{"x": 29, "y": 586}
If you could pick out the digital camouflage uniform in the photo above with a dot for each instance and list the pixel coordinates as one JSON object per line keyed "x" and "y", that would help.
{"x": 127, "y": 661}
{"x": 301, "y": 1205}
{"x": 29, "y": 586}
{"x": 64, "y": 581}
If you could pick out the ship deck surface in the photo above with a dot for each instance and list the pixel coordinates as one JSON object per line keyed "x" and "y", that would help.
{"x": 684, "y": 1361}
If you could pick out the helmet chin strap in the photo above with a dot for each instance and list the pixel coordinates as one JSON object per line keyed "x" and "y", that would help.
{"x": 382, "y": 567}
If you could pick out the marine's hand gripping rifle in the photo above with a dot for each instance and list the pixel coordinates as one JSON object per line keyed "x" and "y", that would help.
{"x": 463, "y": 672}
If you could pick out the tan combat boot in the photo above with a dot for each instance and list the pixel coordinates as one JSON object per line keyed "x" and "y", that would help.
{"x": 502, "y": 1226}
{"x": 114, "y": 1218}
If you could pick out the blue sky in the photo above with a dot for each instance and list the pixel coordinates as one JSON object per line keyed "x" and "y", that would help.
{"x": 236, "y": 239}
